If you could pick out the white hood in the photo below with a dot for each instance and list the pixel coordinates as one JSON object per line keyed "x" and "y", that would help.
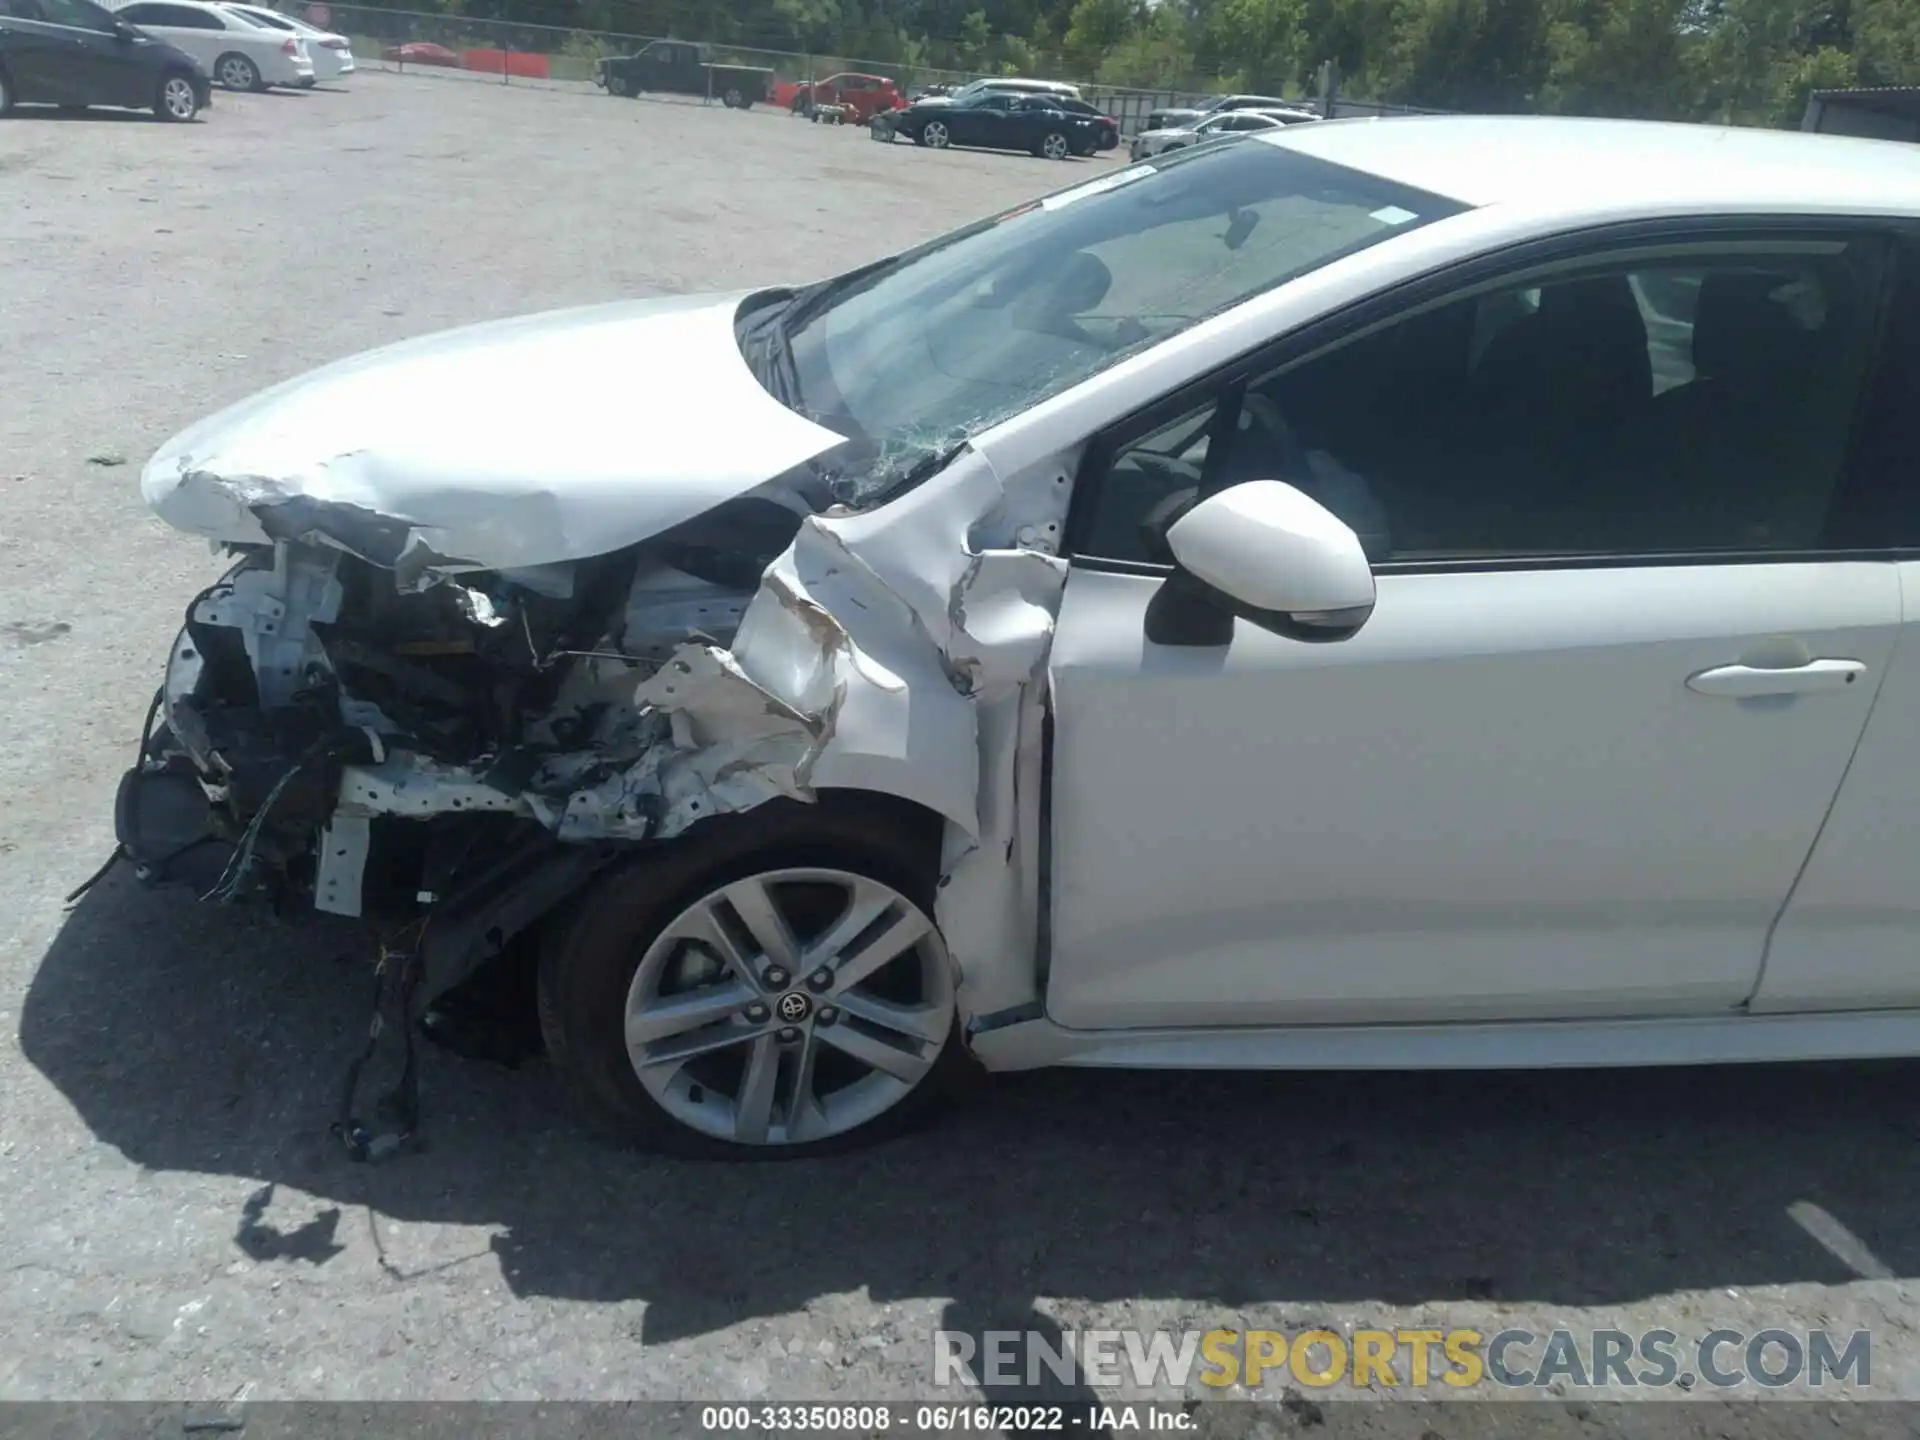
{"x": 499, "y": 446}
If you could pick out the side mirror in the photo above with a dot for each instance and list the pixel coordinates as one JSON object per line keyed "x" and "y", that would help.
{"x": 1267, "y": 553}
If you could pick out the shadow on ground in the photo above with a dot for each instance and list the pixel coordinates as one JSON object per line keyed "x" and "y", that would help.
{"x": 81, "y": 116}
{"x": 199, "y": 1039}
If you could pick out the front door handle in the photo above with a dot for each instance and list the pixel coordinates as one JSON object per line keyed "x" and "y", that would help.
{"x": 1746, "y": 681}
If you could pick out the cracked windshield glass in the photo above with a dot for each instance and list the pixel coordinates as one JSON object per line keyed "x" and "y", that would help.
{"x": 909, "y": 357}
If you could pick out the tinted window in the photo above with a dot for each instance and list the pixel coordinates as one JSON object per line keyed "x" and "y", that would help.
{"x": 1882, "y": 506}
{"x": 177, "y": 17}
{"x": 1634, "y": 408}
{"x": 78, "y": 14}
{"x": 262, "y": 17}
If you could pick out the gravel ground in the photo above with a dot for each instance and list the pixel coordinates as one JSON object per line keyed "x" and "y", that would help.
{"x": 177, "y": 1223}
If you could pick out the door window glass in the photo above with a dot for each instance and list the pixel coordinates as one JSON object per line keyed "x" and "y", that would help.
{"x": 1881, "y": 509}
{"x": 1649, "y": 406}
{"x": 78, "y": 14}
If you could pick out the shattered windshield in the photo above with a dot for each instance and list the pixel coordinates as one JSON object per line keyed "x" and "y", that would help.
{"x": 910, "y": 356}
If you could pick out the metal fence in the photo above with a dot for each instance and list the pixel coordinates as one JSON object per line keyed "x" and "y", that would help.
{"x": 504, "y": 53}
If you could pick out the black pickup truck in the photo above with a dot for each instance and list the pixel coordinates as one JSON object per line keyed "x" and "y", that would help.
{"x": 678, "y": 67}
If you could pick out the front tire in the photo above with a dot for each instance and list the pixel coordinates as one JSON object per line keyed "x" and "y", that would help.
{"x": 236, "y": 72}
{"x": 6, "y": 93}
{"x": 177, "y": 102}
{"x": 766, "y": 987}
{"x": 617, "y": 85}
{"x": 934, "y": 135}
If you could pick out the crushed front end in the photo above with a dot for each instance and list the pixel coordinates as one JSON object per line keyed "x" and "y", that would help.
{"x": 333, "y": 732}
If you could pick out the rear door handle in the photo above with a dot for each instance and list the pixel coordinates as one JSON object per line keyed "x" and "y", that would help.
{"x": 1744, "y": 681}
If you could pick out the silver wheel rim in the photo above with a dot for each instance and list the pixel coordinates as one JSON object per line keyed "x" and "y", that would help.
{"x": 1055, "y": 147}
{"x": 178, "y": 98}
{"x": 936, "y": 135}
{"x": 733, "y": 98}
{"x": 789, "y": 1007}
{"x": 236, "y": 74}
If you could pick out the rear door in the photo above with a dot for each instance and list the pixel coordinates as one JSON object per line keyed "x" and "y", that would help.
{"x": 1850, "y": 937}
{"x": 1623, "y": 650}
{"x": 197, "y": 33}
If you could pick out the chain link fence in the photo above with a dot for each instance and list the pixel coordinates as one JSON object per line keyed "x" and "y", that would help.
{"x": 506, "y": 53}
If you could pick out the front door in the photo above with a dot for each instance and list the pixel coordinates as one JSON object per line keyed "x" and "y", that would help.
{"x": 1576, "y": 758}
{"x": 983, "y": 122}
{"x": 45, "y": 56}
{"x": 112, "y": 71}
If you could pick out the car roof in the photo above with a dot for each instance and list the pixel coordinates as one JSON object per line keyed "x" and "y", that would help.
{"x": 1611, "y": 165}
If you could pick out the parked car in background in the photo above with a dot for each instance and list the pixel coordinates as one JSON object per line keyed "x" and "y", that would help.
{"x": 860, "y": 96}
{"x": 74, "y": 53}
{"x": 997, "y": 120}
{"x": 421, "y": 52}
{"x": 332, "y": 54}
{"x": 1010, "y": 85}
{"x": 1107, "y": 127}
{"x": 1174, "y": 116}
{"x": 678, "y": 67}
{"x": 239, "y": 53}
{"x": 1214, "y": 127}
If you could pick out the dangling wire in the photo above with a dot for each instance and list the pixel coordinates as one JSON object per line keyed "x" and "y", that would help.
{"x": 240, "y": 865}
{"x": 133, "y": 801}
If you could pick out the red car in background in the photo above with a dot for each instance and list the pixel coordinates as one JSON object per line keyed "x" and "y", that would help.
{"x": 421, "y": 53}
{"x": 863, "y": 96}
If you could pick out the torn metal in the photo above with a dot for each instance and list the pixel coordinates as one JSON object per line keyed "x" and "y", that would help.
{"x": 419, "y": 698}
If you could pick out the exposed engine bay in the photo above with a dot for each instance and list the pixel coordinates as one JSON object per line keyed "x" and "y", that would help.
{"x": 316, "y": 707}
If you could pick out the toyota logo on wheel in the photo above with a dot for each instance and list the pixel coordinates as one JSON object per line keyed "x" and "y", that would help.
{"x": 795, "y": 1007}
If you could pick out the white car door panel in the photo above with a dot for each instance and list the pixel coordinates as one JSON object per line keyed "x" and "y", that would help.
{"x": 1850, "y": 936}
{"x": 1576, "y": 759}
{"x": 1499, "y": 800}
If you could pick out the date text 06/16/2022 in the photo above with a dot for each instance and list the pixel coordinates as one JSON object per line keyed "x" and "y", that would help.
{"x": 909, "y": 1418}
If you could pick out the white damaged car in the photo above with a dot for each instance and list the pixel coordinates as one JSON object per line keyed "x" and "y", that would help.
{"x": 1286, "y": 604}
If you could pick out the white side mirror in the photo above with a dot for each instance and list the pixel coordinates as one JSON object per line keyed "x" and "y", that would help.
{"x": 1272, "y": 555}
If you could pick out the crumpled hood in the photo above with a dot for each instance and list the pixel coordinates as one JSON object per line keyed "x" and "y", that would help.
{"x": 510, "y": 444}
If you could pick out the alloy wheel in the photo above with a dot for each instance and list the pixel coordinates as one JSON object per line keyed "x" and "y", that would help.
{"x": 935, "y": 135}
{"x": 735, "y": 100}
{"x": 1055, "y": 147}
{"x": 237, "y": 73}
{"x": 178, "y": 98}
{"x": 789, "y": 1007}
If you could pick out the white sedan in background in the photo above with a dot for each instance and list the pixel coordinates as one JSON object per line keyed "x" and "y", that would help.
{"x": 1231, "y": 122}
{"x": 239, "y": 53}
{"x": 332, "y": 54}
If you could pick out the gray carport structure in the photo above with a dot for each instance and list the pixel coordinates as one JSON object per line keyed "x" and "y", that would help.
{"x": 1888, "y": 113}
